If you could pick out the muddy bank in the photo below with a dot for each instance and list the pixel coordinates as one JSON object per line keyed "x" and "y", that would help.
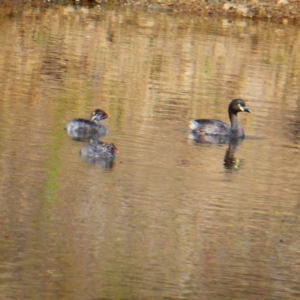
{"x": 281, "y": 11}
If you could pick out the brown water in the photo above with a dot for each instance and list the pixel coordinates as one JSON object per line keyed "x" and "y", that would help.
{"x": 172, "y": 219}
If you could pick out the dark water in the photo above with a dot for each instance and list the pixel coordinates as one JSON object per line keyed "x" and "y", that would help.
{"x": 172, "y": 218}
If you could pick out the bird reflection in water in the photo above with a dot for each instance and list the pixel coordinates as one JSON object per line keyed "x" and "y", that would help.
{"x": 230, "y": 161}
{"x": 102, "y": 163}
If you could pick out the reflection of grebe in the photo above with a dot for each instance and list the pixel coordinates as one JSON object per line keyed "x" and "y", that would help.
{"x": 216, "y": 127}
{"x": 81, "y": 128}
{"x": 230, "y": 161}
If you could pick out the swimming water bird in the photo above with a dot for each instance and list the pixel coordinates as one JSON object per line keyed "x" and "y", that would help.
{"x": 99, "y": 150}
{"x": 85, "y": 129}
{"x": 216, "y": 127}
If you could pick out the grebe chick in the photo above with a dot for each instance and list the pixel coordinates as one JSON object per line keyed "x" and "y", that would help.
{"x": 97, "y": 149}
{"x": 85, "y": 129}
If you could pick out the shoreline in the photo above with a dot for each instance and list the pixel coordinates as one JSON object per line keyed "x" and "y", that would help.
{"x": 281, "y": 11}
{"x": 276, "y": 11}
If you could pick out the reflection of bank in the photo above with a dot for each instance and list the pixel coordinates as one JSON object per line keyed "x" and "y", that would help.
{"x": 230, "y": 161}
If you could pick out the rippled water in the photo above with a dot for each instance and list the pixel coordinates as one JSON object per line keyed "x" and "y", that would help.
{"x": 173, "y": 218}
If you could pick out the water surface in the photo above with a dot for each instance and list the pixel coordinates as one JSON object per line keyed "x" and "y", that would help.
{"x": 172, "y": 218}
